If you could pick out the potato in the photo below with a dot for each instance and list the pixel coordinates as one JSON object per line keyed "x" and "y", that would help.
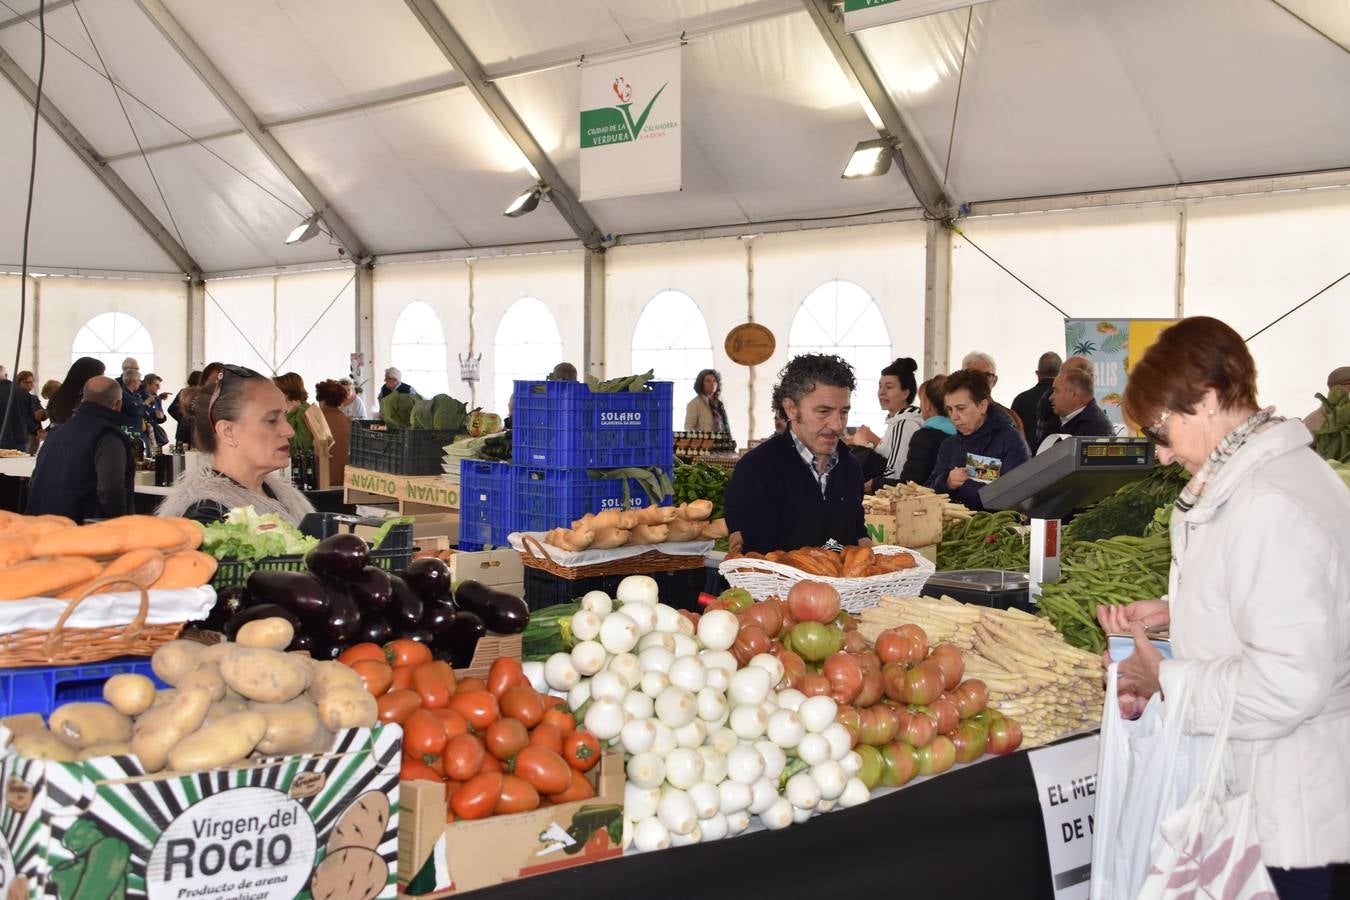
{"x": 215, "y": 652}
{"x": 352, "y": 873}
{"x": 265, "y": 675}
{"x": 332, "y": 676}
{"x": 116, "y": 748}
{"x": 221, "y": 743}
{"x": 82, "y": 725}
{"x": 207, "y": 677}
{"x": 129, "y": 693}
{"x": 43, "y": 744}
{"x": 363, "y": 824}
{"x": 227, "y": 707}
{"x": 174, "y": 660}
{"x": 24, "y": 722}
{"x": 348, "y": 708}
{"x": 291, "y": 727}
{"x": 160, "y": 729}
{"x": 164, "y": 698}
{"x": 266, "y": 634}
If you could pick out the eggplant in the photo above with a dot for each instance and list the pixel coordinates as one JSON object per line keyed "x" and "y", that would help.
{"x": 429, "y": 577}
{"x": 421, "y": 635}
{"x": 303, "y": 643}
{"x": 374, "y": 629}
{"x": 405, "y": 609}
{"x": 461, "y": 638}
{"x": 342, "y": 625}
{"x": 341, "y": 556}
{"x": 261, "y": 611}
{"x": 300, "y": 592}
{"x": 325, "y": 650}
{"x": 229, "y": 602}
{"x": 437, "y": 616}
{"x": 371, "y": 589}
{"x": 501, "y": 612}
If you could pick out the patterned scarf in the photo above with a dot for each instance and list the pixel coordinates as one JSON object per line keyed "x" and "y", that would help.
{"x": 1228, "y": 447}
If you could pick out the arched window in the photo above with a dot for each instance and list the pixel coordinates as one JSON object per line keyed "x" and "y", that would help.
{"x": 671, "y": 338}
{"x": 418, "y": 351}
{"x": 527, "y": 347}
{"x": 841, "y": 318}
{"x": 112, "y": 337}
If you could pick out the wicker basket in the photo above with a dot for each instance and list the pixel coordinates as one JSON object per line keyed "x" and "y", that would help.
{"x": 768, "y": 579}
{"x": 538, "y": 557}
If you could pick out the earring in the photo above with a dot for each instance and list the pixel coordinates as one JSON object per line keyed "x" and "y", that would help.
{"x": 1211, "y": 412}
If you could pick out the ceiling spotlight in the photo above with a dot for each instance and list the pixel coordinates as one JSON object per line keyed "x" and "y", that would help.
{"x": 304, "y": 231}
{"x": 869, "y": 158}
{"x": 526, "y": 202}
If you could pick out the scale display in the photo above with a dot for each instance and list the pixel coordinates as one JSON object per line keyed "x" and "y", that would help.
{"x": 1071, "y": 475}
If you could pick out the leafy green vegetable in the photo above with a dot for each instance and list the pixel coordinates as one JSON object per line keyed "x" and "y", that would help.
{"x": 396, "y": 409}
{"x": 421, "y": 414}
{"x": 245, "y": 535}
{"x": 447, "y": 413}
{"x": 1129, "y": 511}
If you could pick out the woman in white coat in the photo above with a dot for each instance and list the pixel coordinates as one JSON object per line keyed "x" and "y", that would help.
{"x": 1259, "y": 595}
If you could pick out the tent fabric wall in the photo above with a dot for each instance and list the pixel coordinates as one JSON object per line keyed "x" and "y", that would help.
{"x": 444, "y": 286}
{"x": 9, "y": 323}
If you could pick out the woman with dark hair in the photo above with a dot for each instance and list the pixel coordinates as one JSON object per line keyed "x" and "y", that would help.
{"x": 292, "y": 386}
{"x": 706, "y": 412}
{"x": 985, "y": 446}
{"x": 936, "y": 428}
{"x": 69, "y": 395}
{"x": 240, "y": 419}
{"x": 896, "y": 390}
{"x": 1257, "y": 599}
{"x": 181, "y": 409}
{"x": 331, "y": 395}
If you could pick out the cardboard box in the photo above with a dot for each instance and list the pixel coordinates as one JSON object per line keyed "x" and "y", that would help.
{"x": 917, "y": 522}
{"x": 302, "y": 826}
{"x": 491, "y": 567}
{"x": 429, "y": 530}
{"x": 929, "y": 552}
{"x": 436, "y": 859}
{"x": 491, "y": 647}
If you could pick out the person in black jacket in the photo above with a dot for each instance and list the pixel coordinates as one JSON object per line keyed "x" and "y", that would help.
{"x": 1026, "y": 404}
{"x": 394, "y": 384}
{"x": 986, "y": 444}
{"x": 16, "y": 411}
{"x": 86, "y": 468}
{"x": 801, "y": 487}
{"x": 1047, "y": 423}
{"x": 923, "y": 447}
{"x": 1078, "y": 412}
{"x": 181, "y": 409}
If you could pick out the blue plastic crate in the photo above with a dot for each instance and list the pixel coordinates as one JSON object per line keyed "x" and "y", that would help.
{"x": 565, "y": 425}
{"x": 484, "y": 504}
{"x": 544, "y": 499}
{"x": 41, "y": 689}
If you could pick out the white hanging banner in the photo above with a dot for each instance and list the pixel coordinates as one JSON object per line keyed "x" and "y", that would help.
{"x": 630, "y": 126}
{"x": 860, "y": 14}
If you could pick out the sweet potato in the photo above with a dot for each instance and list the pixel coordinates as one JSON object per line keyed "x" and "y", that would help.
{"x": 192, "y": 532}
{"x": 186, "y": 569}
{"x": 45, "y": 577}
{"x": 101, "y": 540}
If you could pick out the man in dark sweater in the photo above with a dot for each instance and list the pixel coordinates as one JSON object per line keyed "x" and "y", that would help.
{"x": 1027, "y": 403}
{"x": 1047, "y": 422}
{"x": 801, "y": 487}
{"x": 1078, "y": 413}
{"x": 86, "y": 469}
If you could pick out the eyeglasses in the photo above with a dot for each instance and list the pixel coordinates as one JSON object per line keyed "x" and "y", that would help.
{"x": 226, "y": 369}
{"x": 1155, "y": 432}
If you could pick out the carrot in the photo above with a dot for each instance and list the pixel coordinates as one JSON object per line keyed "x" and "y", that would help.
{"x": 45, "y": 577}
{"x": 186, "y": 569}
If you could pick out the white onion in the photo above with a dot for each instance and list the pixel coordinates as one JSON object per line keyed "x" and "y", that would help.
{"x": 818, "y": 713}
{"x": 723, "y": 740}
{"x": 676, "y": 811}
{"x": 790, "y": 698}
{"x": 667, "y": 618}
{"x": 650, "y": 834}
{"x": 694, "y": 836}
{"x": 749, "y": 722}
{"x": 638, "y": 736}
{"x": 605, "y": 718}
{"x": 598, "y": 602}
{"x": 769, "y": 663}
{"x": 653, "y": 683}
{"x": 638, "y": 589}
{"x": 763, "y": 794}
{"x": 619, "y": 633}
{"x": 657, "y": 639}
{"x": 799, "y": 816}
{"x": 712, "y": 705}
{"x": 579, "y": 694}
{"x": 717, "y": 723}
{"x": 814, "y": 750}
{"x": 744, "y": 764}
{"x": 841, "y": 742}
{"x": 626, "y": 840}
{"x": 639, "y": 803}
{"x": 719, "y": 659}
{"x": 775, "y": 760}
{"x": 719, "y": 679}
{"x": 802, "y": 791}
{"x": 627, "y": 665}
{"x": 656, "y": 659}
{"x": 714, "y": 765}
{"x": 692, "y": 735}
{"x": 714, "y": 828}
{"x": 786, "y": 728}
{"x": 665, "y": 738}
{"x": 643, "y": 616}
{"x": 778, "y": 816}
{"x": 733, "y": 796}
{"x": 684, "y": 768}
{"x": 769, "y": 708}
{"x": 826, "y": 805}
{"x": 855, "y": 793}
{"x": 750, "y": 687}
{"x": 686, "y": 626}
{"x": 685, "y": 645}
{"x": 639, "y": 705}
{"x": 830, "y": 778}
{"x": 646, "y": 771}
{"x": 688, "y": 672}
{"x": 585, "y": 625}
{"x": 737, "y": 822}
{"x": 852, "y": 763}
{"x": 608, "y": 684}
{"x": 706, "y": 800}
{"x": 717, "y": 630}
{"x": 559, "y": 672}
{"x": 534, "y": 673}
{"x": 676, "y": 707}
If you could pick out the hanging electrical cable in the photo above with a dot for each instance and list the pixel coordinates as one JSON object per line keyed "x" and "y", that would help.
{"x": 1297, "y": 308}
{"x": 1048, "y": 302}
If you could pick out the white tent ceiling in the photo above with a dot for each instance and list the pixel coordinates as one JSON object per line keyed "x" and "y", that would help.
{"x": 1056, "y": 97}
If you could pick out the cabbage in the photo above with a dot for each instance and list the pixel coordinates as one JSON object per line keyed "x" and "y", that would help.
{"x": 396, "y": 409}
{"x": 447, "y": 413}
{"x": 421, "y": 414}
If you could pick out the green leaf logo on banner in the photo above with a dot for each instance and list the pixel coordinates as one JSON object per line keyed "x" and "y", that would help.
{"x": 614, "y": 124}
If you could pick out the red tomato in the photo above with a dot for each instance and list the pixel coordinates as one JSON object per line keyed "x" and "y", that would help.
{"x": 560, "y": 718}
{"x": 357, "y": 652}
{"x": 471, "y": 684}
{"x": 548, "y": 737}
{"x": 412, "y": 770}
{"x": 505, "y": 738}
{"x": 846, "y": 677}
{"x": 397, "y": 706}
{"x": 505, "y": 673}
{"x": 478, "y": 797}
{"x": 435, "y": 682}
{"x": 463, "y": 757}
{"x": 402, "y": 678}
{"x": 376, "y": 675}
{"x": 579, "y": 789}
{"x": 405, "y": 652}
{"x": 454, "y": 723}
{"x": 517, "y": 795}
{"x": 522, "y": 703}
{"x": 492, "y": 764}
{"x": 581, "y": 750}
{"x": 478, "y": 707}
{"x": 545, "y": 770}
{"x": 424, "y": 736}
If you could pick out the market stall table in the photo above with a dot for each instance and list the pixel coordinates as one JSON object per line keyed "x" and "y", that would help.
{"x": 14, "y": 474}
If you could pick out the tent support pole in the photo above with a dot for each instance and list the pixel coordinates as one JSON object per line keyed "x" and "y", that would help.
{"x": 937, "y": 299}
{"x": 593, "y": 316}
{"x": 196, "y": 322}
{"x": 36, "y": 333}
{"x": 365, "y": 322}
{"x": 1181, "y": 262}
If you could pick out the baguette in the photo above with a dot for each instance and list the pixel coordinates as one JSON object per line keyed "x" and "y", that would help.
{"x": 714, "y": 530}
{"x": 649, "y": 534}
{"x": 186, "y": 569}
{"x": 656, "y": 515}
{"x": 45, "y": 577}
{"x": 684, "y": 530}
{"x": 609, "y": 538}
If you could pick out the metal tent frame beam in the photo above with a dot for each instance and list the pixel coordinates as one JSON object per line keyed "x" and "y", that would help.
{"x": 29, "y": 16}
{"x": 855, "y": 64}
{"x": 458, "y": 54}
{"x": 215, "y": 80}
{"x": 76, "y": 141}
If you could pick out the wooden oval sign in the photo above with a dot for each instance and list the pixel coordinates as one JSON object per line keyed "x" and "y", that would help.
{"x": 750, "y": 344}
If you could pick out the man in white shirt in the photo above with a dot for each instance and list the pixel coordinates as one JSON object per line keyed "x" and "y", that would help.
{"x": 1071, "y": 397}
{"x": 354, "y": 407}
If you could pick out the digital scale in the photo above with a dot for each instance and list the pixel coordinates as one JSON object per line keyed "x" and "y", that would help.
{"x": 1071, "y": 475}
